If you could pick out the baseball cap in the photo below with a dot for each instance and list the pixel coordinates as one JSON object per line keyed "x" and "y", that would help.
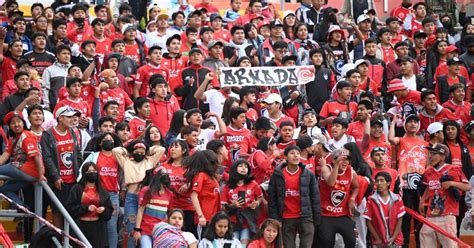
{"x": 309, "y": 111}
{"x": 439, "y": 148}
{"x": 396, "y": 84}
{"x": 453, "y": 61}
{"x": 128, "y": 27}
{"x": 392, "y": 19}
{"x": 362, "y": 18}
{"x": 329, "y": 10}
{"x": 376, "y": 121}
{"x": 66, "y": 111}
{"x": 276, "y": 23}
{"x": 435, "y": 127}
{"x": 195, "y": 50}
{"x": 404, "y": 59}
{"x": 335, "y": 28}
{"x": 8, "y": 117}
{"x": 469, "y": 126}
{"x": 319, "y": 139}
{"x": 360, "y": 62}
{"x": 215, "y": 16}
{"x": 287, "y": 13}
{"x": 213, "y": 43}
{"x": 420, "y": 33}
{"x": 340, "y": 152}
{"x": 341, "y": 121}
{"x": 273, "y": 98}
{"x": 452, "y": 48}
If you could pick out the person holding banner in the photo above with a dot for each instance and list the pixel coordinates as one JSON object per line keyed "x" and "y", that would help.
{"x": 444, "y": 183}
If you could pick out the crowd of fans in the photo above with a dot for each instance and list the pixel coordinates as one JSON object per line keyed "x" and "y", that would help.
{"x": 123, "y": 114}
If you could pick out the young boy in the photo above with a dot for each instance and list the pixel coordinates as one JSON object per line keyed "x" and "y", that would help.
{"x": 384, "y": 210}
{"x": 141, "y": 88}
{"x": 138, "y": 123}
{"x": 457, "y": 103}
{"x": 378, "y": 157}
{"x": 55, "y": 75}
{"x": 236, "y": 132}
{"x": 232, "y": 14}
{"x": 74, "y": 100}
{"x": 357, "y": 128}
{"x": 385, "y": 50}
{"x": 338, "y": 134}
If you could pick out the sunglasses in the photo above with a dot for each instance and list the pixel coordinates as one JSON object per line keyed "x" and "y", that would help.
{"x": 379, "y": 149}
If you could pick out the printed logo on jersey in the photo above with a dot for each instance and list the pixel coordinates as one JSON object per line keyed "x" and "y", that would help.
{"x": 337, "y": 197}
{"x": 66, "y": 158}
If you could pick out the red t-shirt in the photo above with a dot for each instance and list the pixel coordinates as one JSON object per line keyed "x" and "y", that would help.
{"x": 137, "y": 126}
{"x": 356, "y": 129}
{"x": 233, "y": 140}
{"x": 222, "y": 35}
{"x": 462, "y": 111}
{"x": 87, "y": 95}
{"x": 292, "y": 204}
{"x": 8, "y": 68}
{"x": 471, "y": 152}
{"x": 65, "y": 148}
{"x": 108, "y": 172}
{"x": 335, "y": 108}
{"x": 401, "y": 12}
{"x": 207, "y": 189}
{"x": 441, "y": 201}
{"x": 413, "y": 96}
{"x": 90, "y": 197}
{"x": 252, "y": 192}
{"x": 155, "y": 209}
{"x": 23, "y": 150}
{"x": 144, "y": 74}
{"x": 176, "y": 174}
{"x": 455, "y": 152}
{"x": 248, "y": 144}
{"x": 119, "y": 95}
{"x": 310, "y": 163}
{"x": 133, "y": 51}
{"x": 412, "y": 158}
{"x": 388, "y": 54}
{"x": 79, "y": 104}
{"x": 335, "y": 200}
{"x": 262, "y": 166}
{"x": 103, "y": 47}
{"x": 282, "y": 118}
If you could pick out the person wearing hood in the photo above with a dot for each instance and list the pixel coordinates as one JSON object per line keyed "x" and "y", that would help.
{"x": 432, "y": 111}
{"x": 299, "y": 208}
{"x": 163, "y": 104}
{"x": 318, "y": 91}
{"x": 468, "y": 29}
{"x": 412, "y": 159}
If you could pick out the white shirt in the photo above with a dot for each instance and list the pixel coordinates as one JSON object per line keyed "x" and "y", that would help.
{"x": 338, "y": 144}
{"x": 410, "y": 82}
{"x": 216, "y": 100}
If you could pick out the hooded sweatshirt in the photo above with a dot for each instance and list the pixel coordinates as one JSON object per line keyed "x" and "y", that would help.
{"x": 162, "y": 112}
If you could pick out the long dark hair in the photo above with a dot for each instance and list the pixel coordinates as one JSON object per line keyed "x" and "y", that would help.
{"x": 358, "y": 163}
{"x": 159, "y": 180}
{"x": 458, "y": 133}
{"x": 234, "y": 175}
{"x": 183, "y": 145}
{"x": 226, "y": 109}
{"x": 201, "y": 161}
{"x": 210, "y": 233}
{"x": 116, "y": 139}
{"x": 103, "y": 195}
{"x": 278, "y": 242}
{"x": 177, "y": 122}
{"x": 147, "y": 138}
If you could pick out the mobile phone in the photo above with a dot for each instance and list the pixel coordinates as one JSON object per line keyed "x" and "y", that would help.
{"x": 241, "y": 196}
{"x": 228, "y": 245}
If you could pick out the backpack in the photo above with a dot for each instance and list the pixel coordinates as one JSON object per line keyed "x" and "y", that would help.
{"x": 166, "y": 235}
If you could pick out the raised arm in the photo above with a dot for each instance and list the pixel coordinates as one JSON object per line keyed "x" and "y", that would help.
{"x": 391, "y": 134}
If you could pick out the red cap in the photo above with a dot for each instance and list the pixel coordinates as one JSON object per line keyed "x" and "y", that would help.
{"x": 452, "y": 48}
{"x": 10, "y": 115}
{"x": 396, "y": 84}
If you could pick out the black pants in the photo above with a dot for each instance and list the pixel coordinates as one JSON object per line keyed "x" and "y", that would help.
{"x": 411, "y": 200}
{"x": 331, "y": 225}
{"x": 303, "y": 226}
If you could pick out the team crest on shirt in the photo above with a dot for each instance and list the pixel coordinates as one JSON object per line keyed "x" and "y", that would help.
{"x": 66, "y": 158}
{"x": 30, "y": 146}
{"x": 337, "y": 197}
{"x": 196, "y": 184}
{"x": 141, "y": 128}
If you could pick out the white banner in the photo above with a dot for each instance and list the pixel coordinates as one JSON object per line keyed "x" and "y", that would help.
{"x": 266, "y": 76}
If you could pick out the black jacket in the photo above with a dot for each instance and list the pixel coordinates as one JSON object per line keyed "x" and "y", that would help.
{"x": 443, "y": 87}
{"x": 318, "y": 91}
{"x": 420, "y": 81}
{"x": 51, "y": 156}
{"x": 76, "y": 209}
{"x": 309, "y": 192}
{"x": 10, "y": 103}
{"x": 199, "y": 73}
{"x": 465, "y": 160}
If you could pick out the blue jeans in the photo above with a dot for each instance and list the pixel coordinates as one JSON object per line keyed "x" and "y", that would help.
{"x": 130, "y": 215}
{"x": 146, "y": 241}
{"x": 11, "y": 187}
{"x": 112, "y": 223}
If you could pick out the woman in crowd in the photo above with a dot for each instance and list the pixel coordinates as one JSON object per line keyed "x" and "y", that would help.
{"x": 241, "y": 197}
{"x": 436, "y": 56}
{"x": 178, "y": 121}
{"x": 122, "y": 130}
{"x": 302, "y": 43}
{"x": 89, "y": 204}
{"x": 135, "y": 161}
{"x": 219, "y": 233}
{"x": 269, "y": 235}
{"x": 26, "y": 165}
{"x": 201, "y": 171}
{"x": 154, "y": 200}
{"x": 289, "y": 21}
{"x": 178, "y": 151}
{"x": 108, "y": 177}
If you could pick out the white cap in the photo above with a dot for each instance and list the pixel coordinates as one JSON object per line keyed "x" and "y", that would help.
{"x": 66, "y": 111}
{"x": 287, "y": 13}
{"x": 345, "y": 68}
{"x": 319, "y": 139}
{"x": 435, "y": 127}
{"x": 362, "y": 18}
{"x": 127, "y": 27}
{"x": 273, "y": 98}
{"x": 360, "y": 62}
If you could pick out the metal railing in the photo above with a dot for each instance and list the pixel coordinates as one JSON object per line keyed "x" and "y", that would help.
{"x": 68, "y": 220}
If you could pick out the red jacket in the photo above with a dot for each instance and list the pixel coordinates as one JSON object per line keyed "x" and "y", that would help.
{"x": 375, "y": 214}
{"x": 441, "y": 115}
{"x": 162, "y": 112}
